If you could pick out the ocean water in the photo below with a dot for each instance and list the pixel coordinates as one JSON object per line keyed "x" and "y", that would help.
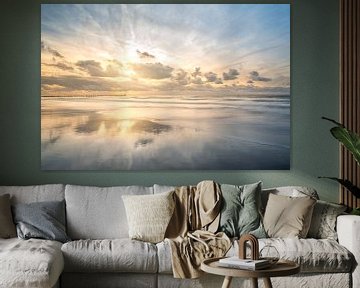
{"x": 162, "y": 133}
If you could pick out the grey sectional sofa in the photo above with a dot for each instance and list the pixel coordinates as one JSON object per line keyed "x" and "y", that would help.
{"x": 101, "y": 254}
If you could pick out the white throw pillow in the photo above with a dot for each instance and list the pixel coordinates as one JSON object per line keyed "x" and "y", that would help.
{"x": 149, "y": 215}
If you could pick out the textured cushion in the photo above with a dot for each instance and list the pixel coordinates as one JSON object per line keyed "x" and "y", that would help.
{"x": 164, "y": 257}
{"x": 323, "y": 222}
{"x": 98, "y": 213}
{"x": 7, "y": 227}
{"x": 240, "y": 210}
{"x": 313, "y": 255}
{"x": 163, "y": 188}
{"x": 287, "y": 216}
{"x": 36, "y": 193}
{"x": 44, "y": 220}
{"x": 149, "y": 215}
{"x": 30, "y": 263}
{"x": 348, "y": 229}
{"x": 117, "y": 255}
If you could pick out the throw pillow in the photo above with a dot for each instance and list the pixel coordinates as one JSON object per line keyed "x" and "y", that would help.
{"x": 323, "y": 222}
{"x": 44, "y": 220}
{"x": 7, "y": 226}
{"x": 149, "y": 215}
{"x": 288, "y": 217}
{"x": 240, "y": 213}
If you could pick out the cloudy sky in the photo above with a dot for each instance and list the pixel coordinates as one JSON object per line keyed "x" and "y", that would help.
{"x": 156, "y": 48}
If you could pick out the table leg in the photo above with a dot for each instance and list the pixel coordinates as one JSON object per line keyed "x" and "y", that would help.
{"x": 227, "y": 282}
{"x": 267, "y": 283}
{"x": 254, "y": 282}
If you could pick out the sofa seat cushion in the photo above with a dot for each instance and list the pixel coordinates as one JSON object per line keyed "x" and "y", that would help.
{"x": 30, "y": 263}
{"x": 115, "y": 255}
{"x": 313, "y": 255}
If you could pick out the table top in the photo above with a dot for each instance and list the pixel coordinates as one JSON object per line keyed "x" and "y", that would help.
{"x": 281, "y": 268}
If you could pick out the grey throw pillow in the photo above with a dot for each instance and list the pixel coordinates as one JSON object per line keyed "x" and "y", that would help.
{"x": 7, "y": 226}
{"x": 240, "y": 213}
{"x": 44, "y": 220}
{"x": 323, "y": 222}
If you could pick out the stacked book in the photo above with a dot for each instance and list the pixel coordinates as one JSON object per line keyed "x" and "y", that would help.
{"x": 248, "y": 264}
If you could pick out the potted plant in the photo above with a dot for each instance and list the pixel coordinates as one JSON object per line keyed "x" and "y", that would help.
{"x": 351, "y": 141}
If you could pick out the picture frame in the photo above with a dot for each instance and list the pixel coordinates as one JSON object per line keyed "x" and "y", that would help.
{"x": 165, "y": 87}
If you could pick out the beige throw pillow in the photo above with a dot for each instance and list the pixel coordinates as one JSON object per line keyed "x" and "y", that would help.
{"x": 288, "y": 217}
{"x": 148, "y": 215}
{"x": 7, "y": 226}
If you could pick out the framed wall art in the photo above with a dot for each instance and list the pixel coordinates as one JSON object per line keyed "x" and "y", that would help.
{"x": 165, "y": 86}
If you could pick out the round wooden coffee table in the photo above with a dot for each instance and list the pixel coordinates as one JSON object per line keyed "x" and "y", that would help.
{"x": 281, "y": 268}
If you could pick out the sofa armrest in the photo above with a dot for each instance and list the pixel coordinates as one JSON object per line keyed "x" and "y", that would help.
{"x": 348, "y": 230}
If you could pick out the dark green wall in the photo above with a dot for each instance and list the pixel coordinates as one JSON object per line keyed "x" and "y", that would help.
{"x": 314, "y": 92}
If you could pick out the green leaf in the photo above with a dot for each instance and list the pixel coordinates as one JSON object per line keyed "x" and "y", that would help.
{"x": 355, "y": 211}
{"x": 348, "y": 138}
{"x": 347, "y": 184}
{"x": 333, "y": 121}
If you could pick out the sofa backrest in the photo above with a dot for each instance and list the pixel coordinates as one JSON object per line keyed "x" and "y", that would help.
{"x": 98, "y": 212}
{"x": 163, "y": 188}
{"x": 36, "y": 193}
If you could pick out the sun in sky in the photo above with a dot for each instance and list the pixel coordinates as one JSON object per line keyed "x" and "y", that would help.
{"x": 111, "y": 49}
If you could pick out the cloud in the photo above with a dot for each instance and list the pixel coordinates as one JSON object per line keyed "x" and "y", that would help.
{"x": 254, "y": 75}
{"x": 282, "y": 81}
{"x": 61, "y": 66}
{"x": 196, "y": 72}
{"x": 115, "y": 62}
{"x": 231, "y": 75}
{"x": 197, "y": 80}
{"x": 50, "y": 50}
{"x": 181, "y": 77}
{"x": 212, "y": 77}
{"x": 218, "y": 81}
{"x": 239, "y": 60}
{"x": 73, "y": 83}
{"x": 94, "y": 68}
{"x": 153, "y": 70}
{"x": 144, "y": 54}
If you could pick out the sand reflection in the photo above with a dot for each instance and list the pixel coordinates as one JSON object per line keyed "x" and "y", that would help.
{"x": 113, "y": 126}
{"x": 107, "y": 134}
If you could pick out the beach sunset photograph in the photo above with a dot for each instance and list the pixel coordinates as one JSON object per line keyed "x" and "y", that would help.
{"x": 165, "y": 86}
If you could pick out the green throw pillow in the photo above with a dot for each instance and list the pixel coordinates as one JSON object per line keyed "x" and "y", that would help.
{"x": 240, "y": 213}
